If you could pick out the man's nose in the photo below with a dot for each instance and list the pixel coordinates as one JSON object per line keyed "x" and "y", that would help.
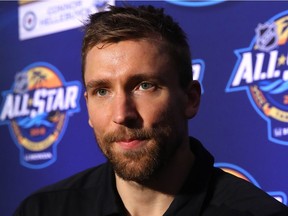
{"x": 125, "y": 111}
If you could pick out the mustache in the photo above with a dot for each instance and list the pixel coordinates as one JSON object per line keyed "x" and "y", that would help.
{"x": 128, "y": 134}
{"x": 123, "y": 133}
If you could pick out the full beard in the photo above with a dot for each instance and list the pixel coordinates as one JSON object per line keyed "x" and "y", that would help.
{"x": 144, "y": 163}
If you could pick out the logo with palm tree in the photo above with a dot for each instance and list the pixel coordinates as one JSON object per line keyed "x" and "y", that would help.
{"x": 37, "y": 109}
{"x": 262, "y": 71}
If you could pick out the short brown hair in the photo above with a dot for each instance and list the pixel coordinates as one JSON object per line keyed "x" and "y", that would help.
{"x": 133, "y": 23}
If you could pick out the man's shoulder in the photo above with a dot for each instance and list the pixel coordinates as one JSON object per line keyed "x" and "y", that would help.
{"x": 80, "y": 191}
{"x": 89, "y": 178}
{"x": 239, "y": 194}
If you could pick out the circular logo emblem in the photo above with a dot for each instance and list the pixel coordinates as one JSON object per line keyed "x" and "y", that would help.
{"x": 37, "y": 109}
{"x": 262, "y": 70}
{"x": 29, "y": 21}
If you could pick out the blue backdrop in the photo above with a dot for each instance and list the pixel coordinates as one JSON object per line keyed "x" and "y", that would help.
{"x": 240, "y": 56}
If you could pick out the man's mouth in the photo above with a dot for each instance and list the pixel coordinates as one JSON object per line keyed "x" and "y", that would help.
{"x": 130, "y": 144}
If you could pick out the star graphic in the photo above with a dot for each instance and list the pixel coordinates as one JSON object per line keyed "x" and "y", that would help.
{"x": 281, "y": 60}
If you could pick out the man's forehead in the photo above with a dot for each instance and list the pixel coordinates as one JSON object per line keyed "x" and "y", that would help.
{"x": 128, "y": 58}
{"x": 157, "y": 42}
{"x": 146, "y": 50}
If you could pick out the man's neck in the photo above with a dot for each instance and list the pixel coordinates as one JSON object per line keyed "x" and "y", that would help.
{"x": 155, "y": 196}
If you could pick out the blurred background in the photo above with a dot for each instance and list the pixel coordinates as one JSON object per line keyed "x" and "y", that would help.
{"x": 240, "y": 57}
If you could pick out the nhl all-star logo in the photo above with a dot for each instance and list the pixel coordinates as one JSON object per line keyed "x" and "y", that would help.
{"x": 262, "y": 71}
{"x": 37, "y": 109}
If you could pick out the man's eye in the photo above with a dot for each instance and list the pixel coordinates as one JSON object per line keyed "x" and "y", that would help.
{"x": 146, "y": 86}
{"x": 101, "y": 92}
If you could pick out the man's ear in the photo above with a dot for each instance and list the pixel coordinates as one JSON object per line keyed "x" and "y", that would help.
{"x": 193, "y": 92}
{"x": 86, "y": 99}
{"x": 90, "y": 123}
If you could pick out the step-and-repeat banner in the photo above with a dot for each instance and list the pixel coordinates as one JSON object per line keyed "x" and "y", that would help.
{"x": 240, "y": 57}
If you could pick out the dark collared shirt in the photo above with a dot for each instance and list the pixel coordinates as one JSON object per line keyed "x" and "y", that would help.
{"x": 208, "y": 192}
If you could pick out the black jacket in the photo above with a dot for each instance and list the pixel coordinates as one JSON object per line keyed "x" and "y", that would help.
{"x": 208, "y": 191}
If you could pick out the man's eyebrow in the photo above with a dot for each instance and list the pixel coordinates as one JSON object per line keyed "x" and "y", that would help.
{"x": 143, "y": 77}
{"x": 138, "y": 77}
{"x": 92, "y": 84}
{"x": 95, "y": 83}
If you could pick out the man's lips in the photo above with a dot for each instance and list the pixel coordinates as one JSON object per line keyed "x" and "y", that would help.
{"x": 130, "y": 144}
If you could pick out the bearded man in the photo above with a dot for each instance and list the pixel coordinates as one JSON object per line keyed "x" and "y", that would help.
{"x": 140, "y": 94}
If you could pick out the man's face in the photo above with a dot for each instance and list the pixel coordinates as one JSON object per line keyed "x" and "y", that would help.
{"x": 136, "y": 107}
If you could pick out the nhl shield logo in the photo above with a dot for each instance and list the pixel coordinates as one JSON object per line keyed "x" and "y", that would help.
{"x": 267, "y": 37}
